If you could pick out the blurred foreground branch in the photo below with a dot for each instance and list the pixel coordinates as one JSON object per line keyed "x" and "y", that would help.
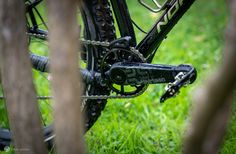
{"x": 212, "y": 101}
{"x": 66, "y": 84}
{"x": 21, "y": 102}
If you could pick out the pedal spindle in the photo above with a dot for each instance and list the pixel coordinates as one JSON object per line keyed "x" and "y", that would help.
{"x": 182, "y": 79}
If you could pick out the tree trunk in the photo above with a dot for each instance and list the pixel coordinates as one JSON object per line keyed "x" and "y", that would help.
{"x": 66, "y": 84}
{"x": 213, "y": 100}
{"x": 21, "y": 101}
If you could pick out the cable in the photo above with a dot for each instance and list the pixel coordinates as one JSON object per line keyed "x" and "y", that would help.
{"x": 36, "y": 10}
{"x": 138, "y": 27}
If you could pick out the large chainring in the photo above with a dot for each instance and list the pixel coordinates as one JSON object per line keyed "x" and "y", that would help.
{"x": 117, "y": 55}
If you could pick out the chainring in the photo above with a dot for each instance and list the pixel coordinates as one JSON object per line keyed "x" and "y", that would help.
{"x": 117, "y": 55}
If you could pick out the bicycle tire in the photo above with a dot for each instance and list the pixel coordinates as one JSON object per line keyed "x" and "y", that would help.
{"x": 99, "y": 25}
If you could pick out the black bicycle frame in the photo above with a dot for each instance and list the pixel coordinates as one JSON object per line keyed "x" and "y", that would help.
{"x": 159, "y": 31}
{"x": 124, "y": 73}
{"x": 150, "y": 43}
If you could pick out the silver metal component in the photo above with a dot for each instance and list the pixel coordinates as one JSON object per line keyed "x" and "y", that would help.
{"x": 37, "y": 35}
{"x": 96, "y": 43}
{"x": 179, "y": 76}
{"x": 82, "y": 40}
{"x": 159, "y": 7}
{"x": 135, "y": 51}
{"x": 168, "y": 86}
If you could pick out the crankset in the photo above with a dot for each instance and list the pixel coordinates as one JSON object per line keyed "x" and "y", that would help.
{"x": 125, "y": 71}
{"x": 133, "y": 73}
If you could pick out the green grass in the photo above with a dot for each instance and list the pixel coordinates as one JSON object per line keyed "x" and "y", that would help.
{"x": 143, "y": 125}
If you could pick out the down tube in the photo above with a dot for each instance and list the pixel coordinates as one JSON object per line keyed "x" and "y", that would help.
{"x": 163, "y": 26}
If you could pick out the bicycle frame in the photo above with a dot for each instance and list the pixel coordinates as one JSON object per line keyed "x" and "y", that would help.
{"x": 138, "y": 71}
{"x": 150, "y": 43}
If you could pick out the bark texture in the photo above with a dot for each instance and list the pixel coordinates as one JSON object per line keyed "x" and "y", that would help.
{"x": 21, "y": 102}
{"x": 213, "y": 100}
{"x": 63, "y": 43}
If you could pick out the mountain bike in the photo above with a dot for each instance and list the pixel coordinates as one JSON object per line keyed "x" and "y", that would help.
{"x": 111, "y": 67}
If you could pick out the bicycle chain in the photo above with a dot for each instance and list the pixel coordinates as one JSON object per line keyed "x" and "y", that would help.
{"x": 103, "y": 44}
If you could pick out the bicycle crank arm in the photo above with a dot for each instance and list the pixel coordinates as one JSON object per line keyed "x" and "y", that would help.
{"x": 124, "y": 73}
